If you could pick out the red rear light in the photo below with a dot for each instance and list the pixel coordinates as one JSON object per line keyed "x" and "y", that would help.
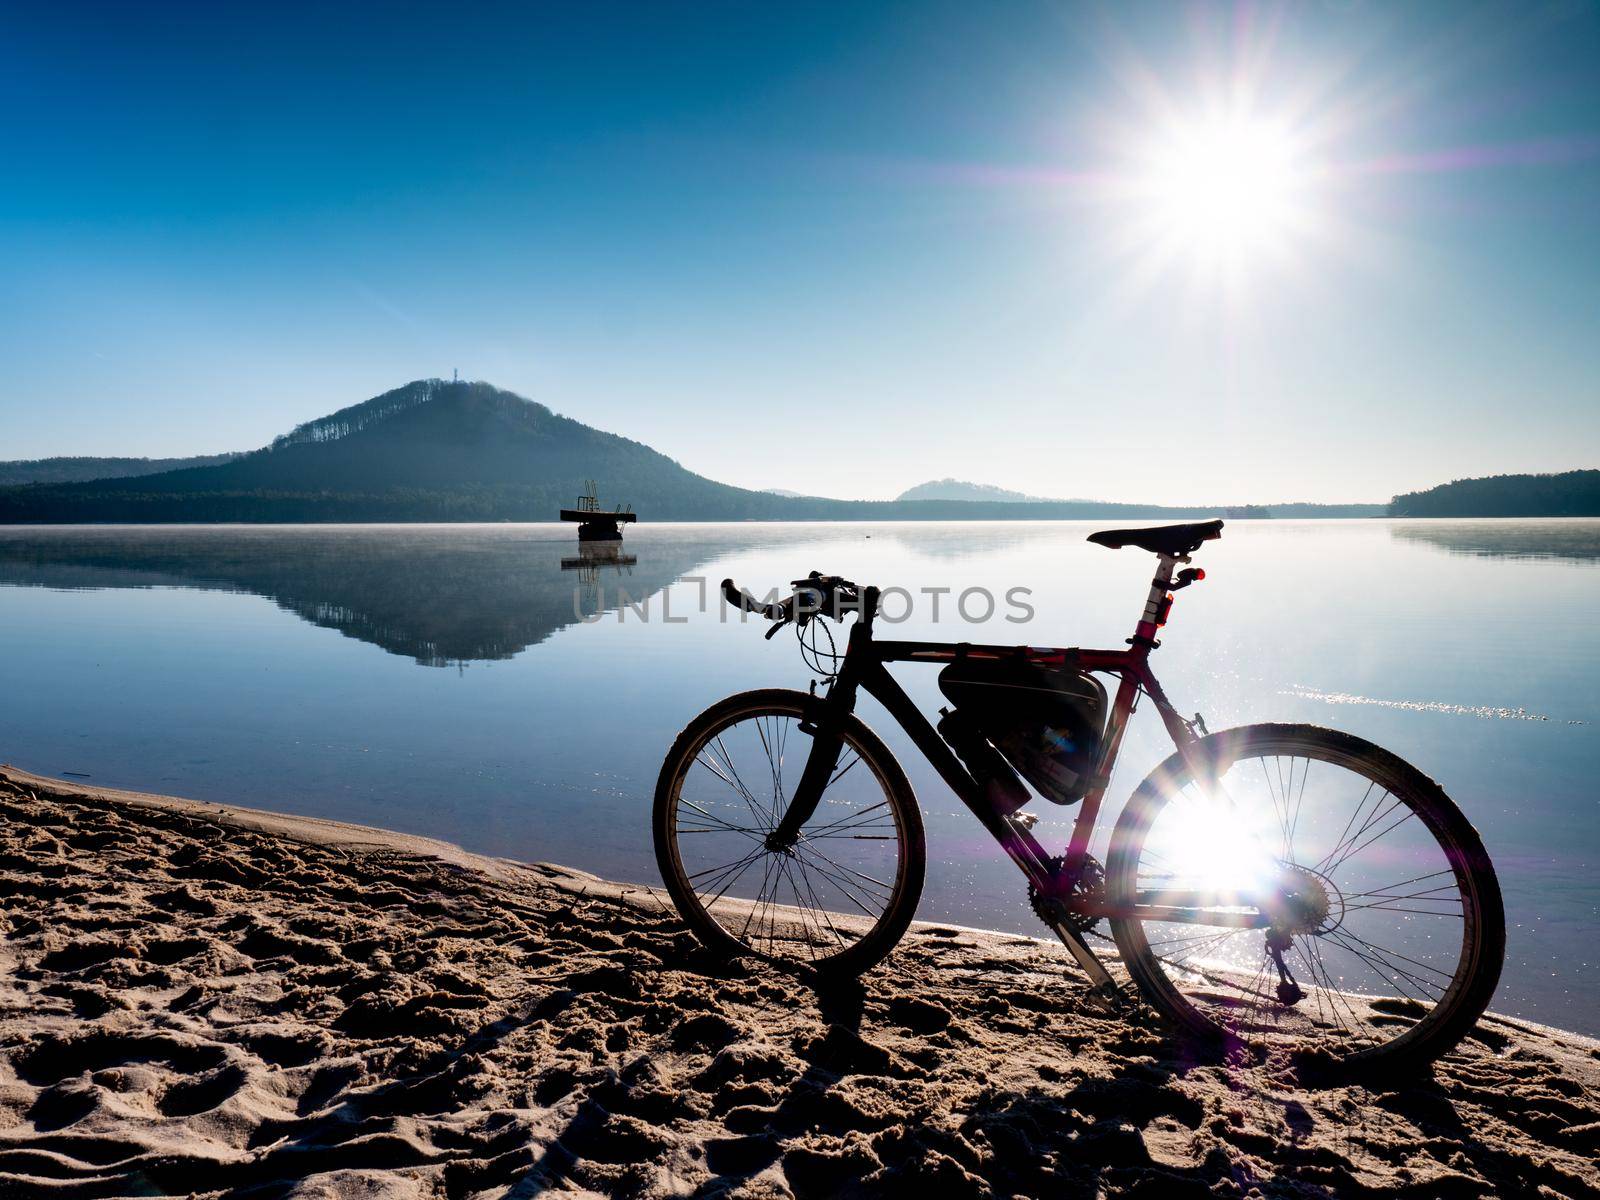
{"x": 1199, "y": 573}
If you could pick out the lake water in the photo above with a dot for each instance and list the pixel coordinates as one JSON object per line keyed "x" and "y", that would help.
{"x": 444, "y": 680}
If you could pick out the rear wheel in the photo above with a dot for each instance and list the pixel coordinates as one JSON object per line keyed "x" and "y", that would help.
{"x": 1386, "y": 932}
{"x": 843, "y": 894}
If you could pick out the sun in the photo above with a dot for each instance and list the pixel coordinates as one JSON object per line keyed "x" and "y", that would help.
{"x": 1229, "y": 189}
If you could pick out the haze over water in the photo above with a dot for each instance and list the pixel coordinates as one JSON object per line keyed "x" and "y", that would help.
{"x": 441, "y": 680}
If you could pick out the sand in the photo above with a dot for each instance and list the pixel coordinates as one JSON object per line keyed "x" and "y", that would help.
{"x": 206, "y": 1001}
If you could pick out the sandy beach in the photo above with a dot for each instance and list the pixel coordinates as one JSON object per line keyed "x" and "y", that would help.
{"x": 197, "y": 1000}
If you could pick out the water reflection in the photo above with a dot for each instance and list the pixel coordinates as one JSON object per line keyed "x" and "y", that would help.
{"x": 437, "y": 595}
{"x": 1576, "y": 540}
{"x": 168, "y": 672}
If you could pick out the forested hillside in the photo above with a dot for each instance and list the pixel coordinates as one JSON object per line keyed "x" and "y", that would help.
{"x": 445, "y": 451}
{"x": 1569, "y": 494}
{"x": 76, "y": 469}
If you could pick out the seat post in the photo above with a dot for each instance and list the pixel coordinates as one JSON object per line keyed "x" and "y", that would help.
{"x": 1149, "y": 621}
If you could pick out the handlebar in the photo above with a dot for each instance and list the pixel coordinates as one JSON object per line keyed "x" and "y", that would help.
{"x": 827, "y": 595}
{"x": 742, "y": 600}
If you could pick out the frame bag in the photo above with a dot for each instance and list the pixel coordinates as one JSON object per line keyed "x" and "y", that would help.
{"x": 1046, "y": 721}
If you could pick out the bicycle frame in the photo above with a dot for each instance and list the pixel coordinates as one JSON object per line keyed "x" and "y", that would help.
{"x": 865, "y": 669}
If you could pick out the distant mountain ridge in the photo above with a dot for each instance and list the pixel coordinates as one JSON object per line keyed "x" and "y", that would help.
{"x": 431, "y": 450}
{"x": 985, "y": 493}
{"x": 437, "y": 450}
{"x": 79, "y": 469}
{"x": 960, "y": 489}
{"x": 446, "y": 451}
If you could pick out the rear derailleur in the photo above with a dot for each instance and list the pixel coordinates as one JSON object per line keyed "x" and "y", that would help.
{"x": 1290, "y": 992}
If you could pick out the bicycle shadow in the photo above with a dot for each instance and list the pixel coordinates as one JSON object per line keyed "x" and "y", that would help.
{"x": 801, "y": 1097}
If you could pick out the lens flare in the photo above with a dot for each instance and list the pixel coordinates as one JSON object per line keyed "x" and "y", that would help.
{"x": 1209, "y": 844}
{"x": 1222, "y": 187}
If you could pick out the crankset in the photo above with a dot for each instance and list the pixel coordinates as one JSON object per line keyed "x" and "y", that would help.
{"x": 1056, "y": 910}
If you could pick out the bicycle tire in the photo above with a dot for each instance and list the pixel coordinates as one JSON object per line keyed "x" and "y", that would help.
{"x": 1482, "y": 954}
{"x": 862, "y": 952}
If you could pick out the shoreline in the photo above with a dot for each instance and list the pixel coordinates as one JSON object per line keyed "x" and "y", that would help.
{"x": 325, "y": 831}
{"x": 213, "y": 1000}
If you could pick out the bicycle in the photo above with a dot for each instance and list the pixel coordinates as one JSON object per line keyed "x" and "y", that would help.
{"x": 1364, "y": 921}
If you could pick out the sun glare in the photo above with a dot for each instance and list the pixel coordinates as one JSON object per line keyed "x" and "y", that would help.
{"x": 1226, "y": 189}
{"x": 1212, "y": 844}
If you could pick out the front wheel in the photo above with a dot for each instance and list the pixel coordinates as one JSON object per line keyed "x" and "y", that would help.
{"x": 841, "y": 896}
{"x": 1384, "y": 932}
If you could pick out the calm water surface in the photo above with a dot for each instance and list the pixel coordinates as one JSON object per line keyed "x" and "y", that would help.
{"x": 487, "y": 685}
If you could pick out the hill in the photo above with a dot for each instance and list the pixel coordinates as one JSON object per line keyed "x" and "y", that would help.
{"x": 960, "y": 489}
{"x": 431, "y": 450}
{"x": 987, "y": 493}
{"x": 76, "y": 470}
{"x": 447, "y": 451}
{"x": 1568, "y": 494}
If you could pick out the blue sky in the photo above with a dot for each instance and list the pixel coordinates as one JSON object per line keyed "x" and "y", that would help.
{"x": 838, "y": 248}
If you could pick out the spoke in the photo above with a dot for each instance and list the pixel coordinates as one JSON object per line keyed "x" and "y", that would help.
{"x": 1193, "y": 937}
{"x": 735, "y": 879}
{"x": 738, "y": 783}
{"x": 1385, "y": 973}
{"x": 732, "y": 780}
{"x": 1429, "y": 895}
{"x": 783, "y": 744}
{"x": 1224, "y": 980}
{"x": 1300, "y": 798}
{"x": 846, "y": 819}
{"x": 847, "y": 889}
{"x": 1281, "y": 811}
{"x": 1350, "y": 824}
{"x": 1257, "y": 986}
{"x": 1340, "y": 852}
{"x": 748, "y": 858}
{"x": 1410, "y": 812}
{"x": 773, "y": 740}
{"x": 1213, "y": 941}
{"x": 839, "y": 831}
{"x": 1380, "y": 962}
{"x": 1321, "y": 983}
{"x": 799, "y": 908}
{"x": 716, "y": 820}
{"x": 887, "y": 887}
{"x": 1389, "y": 887}
{"x": 1388, "y": 953}
{"x": 817, "y": 904}
{"x": 1317, "y": 987}
{"x": 1335, "y": 993}
{"x": 772, "y": 766}
{"x": 861, "y": 820}
{"x": 840, "y": 772}
{"x": 766, "y": 876}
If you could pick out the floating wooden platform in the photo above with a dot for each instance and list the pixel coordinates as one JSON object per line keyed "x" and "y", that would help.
{"x": 596, "y": 524}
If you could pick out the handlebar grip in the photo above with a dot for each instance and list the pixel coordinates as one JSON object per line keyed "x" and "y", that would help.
{"x": 741, "y": 599}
